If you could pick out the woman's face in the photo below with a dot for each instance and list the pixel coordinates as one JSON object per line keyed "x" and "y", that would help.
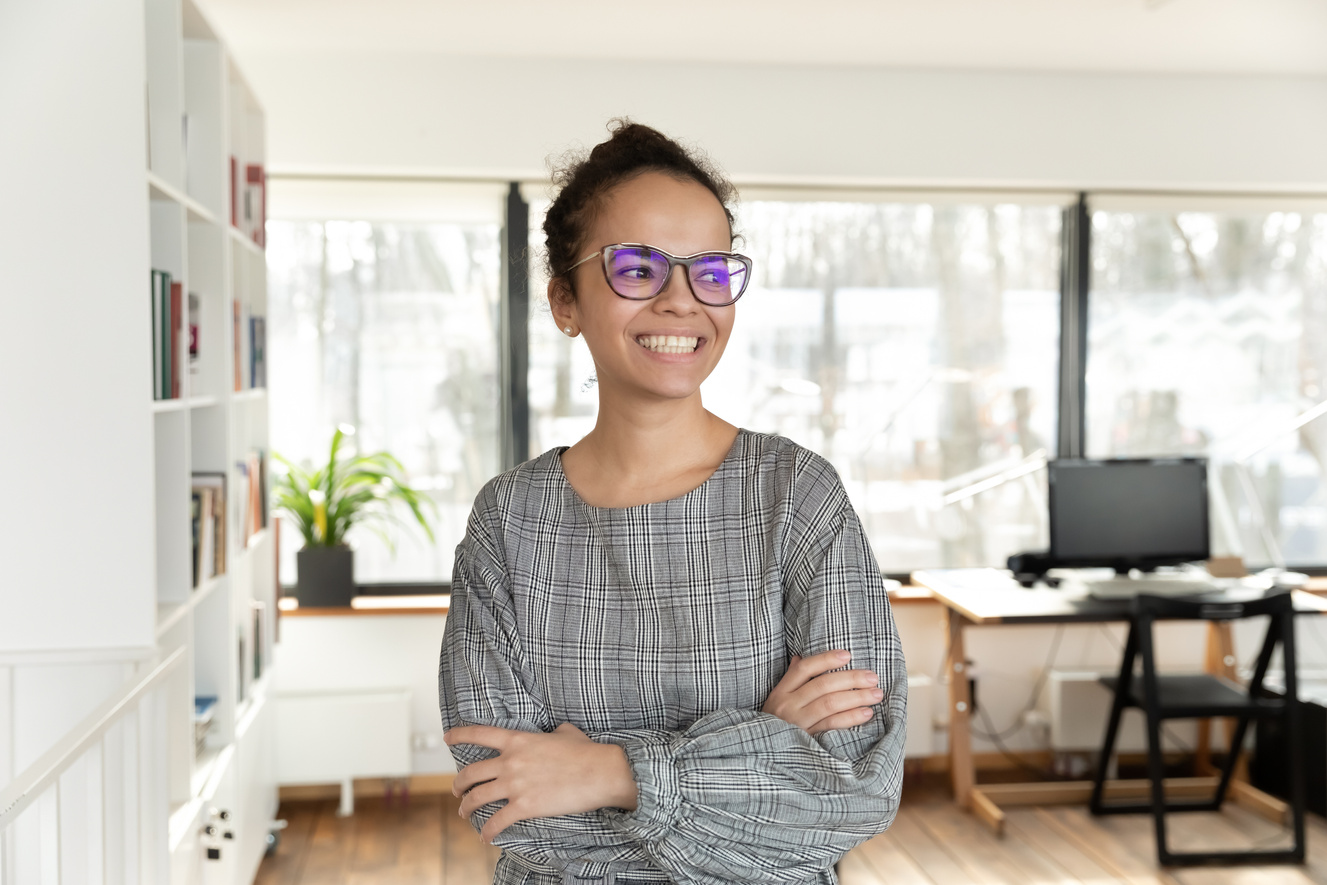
{"x": 680, "y": 217}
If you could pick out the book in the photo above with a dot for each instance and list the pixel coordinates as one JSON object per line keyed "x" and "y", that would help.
{"x": 156, "y": 337}
{"x": 257, "y": 641}
{"x": 234, "y": 191}
{"x": 196, "y": 518}
{"x": 176, "y": 327}
{"x": 257, "y": 351}
{"x": 211, "y": 550}
{"x": 235, "y": 340}
{"x": 163, "y": 323}
{"x": 241, "y": 686}
{"x": 206, "y": 552}
{"x": 194, "y": 310}
{"x": 255, "y": 494}
{"x": 262, "y": 485}
{"x": 256, "y": 190}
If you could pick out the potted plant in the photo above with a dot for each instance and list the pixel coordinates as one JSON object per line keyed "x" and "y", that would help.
{"x": 325, "y": 503}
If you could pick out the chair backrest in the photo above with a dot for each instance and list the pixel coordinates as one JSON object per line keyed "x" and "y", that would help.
{"x": 1198, "y": 609}
{"x": 1278, "y": 603}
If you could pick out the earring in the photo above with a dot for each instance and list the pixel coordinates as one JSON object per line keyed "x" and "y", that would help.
{"x": 567, "y": 329}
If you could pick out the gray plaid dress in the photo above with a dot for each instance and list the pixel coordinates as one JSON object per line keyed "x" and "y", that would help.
{"x": 662, "y": 628}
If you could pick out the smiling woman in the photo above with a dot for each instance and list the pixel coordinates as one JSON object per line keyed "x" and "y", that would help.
{"x": 644, "y": 675}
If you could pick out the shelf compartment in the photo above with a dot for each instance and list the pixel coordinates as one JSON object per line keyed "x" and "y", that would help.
{"x": 161, "y": 191}
{"x": 207, "y": 289}
{"x": 164, "y": 97}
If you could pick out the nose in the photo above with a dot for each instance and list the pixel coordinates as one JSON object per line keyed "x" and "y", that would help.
{"x": 676, "y": 296}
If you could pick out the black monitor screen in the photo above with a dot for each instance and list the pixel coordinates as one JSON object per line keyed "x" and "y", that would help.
{"x": 1128, "y": 513}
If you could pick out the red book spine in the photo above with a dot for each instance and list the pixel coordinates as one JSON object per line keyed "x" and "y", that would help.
{"x": 257, "y": 178}
{"x": 176, "y": 327}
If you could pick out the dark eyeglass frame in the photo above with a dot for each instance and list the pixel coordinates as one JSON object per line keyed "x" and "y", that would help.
{"x": 685, "y": 261}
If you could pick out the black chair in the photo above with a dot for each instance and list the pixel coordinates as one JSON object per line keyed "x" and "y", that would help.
{"x": 1162, "y": 697}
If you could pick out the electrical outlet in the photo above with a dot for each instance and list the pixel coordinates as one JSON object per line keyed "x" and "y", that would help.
{"x": 1038, "y": 724}
{"x": 426, "y": 740}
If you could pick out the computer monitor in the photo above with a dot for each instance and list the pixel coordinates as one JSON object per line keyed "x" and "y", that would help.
{"x": 1128, "y": 513}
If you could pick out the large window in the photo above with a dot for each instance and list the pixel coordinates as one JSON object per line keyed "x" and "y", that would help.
{"x": 1206, "y": 337}
{"x": 914, "y": 345}
{"x": 384, "y": 316}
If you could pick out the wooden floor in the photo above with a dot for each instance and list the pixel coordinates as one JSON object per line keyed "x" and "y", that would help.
{"x": 932, "y": 842}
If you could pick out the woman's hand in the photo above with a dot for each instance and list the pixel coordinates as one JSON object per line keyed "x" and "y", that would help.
{"x": 540, "y": 775}
{"x": 816, "y": 700}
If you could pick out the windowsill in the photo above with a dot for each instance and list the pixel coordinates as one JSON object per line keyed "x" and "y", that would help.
{"x": 373, "y": 604}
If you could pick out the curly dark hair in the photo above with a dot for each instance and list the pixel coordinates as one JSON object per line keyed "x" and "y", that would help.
{"x": 584, "y": 181}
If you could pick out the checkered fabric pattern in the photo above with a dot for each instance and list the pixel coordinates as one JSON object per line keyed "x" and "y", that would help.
{"x": 662, "y": 628}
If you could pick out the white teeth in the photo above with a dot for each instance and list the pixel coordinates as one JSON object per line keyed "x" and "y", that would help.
{"x": 668, "y": 343}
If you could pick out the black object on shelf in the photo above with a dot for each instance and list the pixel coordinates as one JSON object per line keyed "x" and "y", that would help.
{"x": 326, "y": 576}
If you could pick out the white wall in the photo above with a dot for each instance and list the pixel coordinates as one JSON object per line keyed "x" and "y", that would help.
{"x": 76, "y": 525}
{"x": 422, "y": 113}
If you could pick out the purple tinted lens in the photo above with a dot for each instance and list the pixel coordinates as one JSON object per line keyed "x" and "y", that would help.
{"x": 717, "y": 279}
{"x": 635, "y": 272}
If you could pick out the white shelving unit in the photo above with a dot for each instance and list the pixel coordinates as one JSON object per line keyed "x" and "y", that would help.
{"x": 96, "y": 580}
{"x": 205, "y": 126}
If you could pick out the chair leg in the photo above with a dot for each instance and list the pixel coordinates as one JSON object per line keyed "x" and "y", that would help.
{"x": 1293, "y": 724}
{"x": 1156, "y": 772}
{"x": 1122, "y": 687}
{"x": 1233, "y": 752}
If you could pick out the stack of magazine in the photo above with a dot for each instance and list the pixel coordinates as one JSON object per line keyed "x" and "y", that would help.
{"x": 205, "y": 707}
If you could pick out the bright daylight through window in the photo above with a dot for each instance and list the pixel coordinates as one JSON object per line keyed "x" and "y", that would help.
{"x": 914, "y": 345}
{"x": 1199, "y": 344}
{"x": 391, "y": 328}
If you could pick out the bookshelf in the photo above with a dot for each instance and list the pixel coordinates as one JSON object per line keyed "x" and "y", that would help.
{"x": 205, "y": 132}
{"x": 97, "y": 579}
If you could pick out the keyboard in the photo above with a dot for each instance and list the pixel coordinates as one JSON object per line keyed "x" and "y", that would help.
{"x": 1123, "y": 588}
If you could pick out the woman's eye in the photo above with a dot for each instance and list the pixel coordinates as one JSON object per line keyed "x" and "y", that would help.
{"x": 636, "y": 272}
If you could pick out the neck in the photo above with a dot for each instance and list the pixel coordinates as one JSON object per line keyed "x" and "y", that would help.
{"x": 649, "y": 440}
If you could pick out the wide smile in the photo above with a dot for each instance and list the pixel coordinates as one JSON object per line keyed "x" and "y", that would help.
{"x": 669, "y": 343}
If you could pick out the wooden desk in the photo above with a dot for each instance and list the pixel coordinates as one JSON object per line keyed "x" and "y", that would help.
{"x": 982, "y": 597}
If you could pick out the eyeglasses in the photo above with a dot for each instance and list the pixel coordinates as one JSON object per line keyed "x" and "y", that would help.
{"x": 640, "y": 272}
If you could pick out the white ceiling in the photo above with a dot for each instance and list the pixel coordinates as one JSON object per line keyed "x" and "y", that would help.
{"x": 1177, "y": 36}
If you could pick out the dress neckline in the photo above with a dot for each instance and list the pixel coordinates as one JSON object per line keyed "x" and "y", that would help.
{"x": 723, "y": 465}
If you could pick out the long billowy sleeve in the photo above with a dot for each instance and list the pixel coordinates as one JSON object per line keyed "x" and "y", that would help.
{"x": 739, "y": 795}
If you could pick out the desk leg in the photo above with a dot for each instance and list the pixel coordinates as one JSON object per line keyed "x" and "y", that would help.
{"x": 960, "y": 704}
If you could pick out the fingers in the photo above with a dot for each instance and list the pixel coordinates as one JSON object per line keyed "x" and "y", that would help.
{"x": 475, "y": 773}
{"x": 481, "y": 795}
{"x": 803, "y": 670}
{"x": 505, "y": 817}
{"x": 839, "y": 680}
{"x": 846, "y": 719}
{"x": 833, "y": 703}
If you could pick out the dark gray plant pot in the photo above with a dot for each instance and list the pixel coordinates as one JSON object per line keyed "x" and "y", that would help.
{"x": 326, "y": 576}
